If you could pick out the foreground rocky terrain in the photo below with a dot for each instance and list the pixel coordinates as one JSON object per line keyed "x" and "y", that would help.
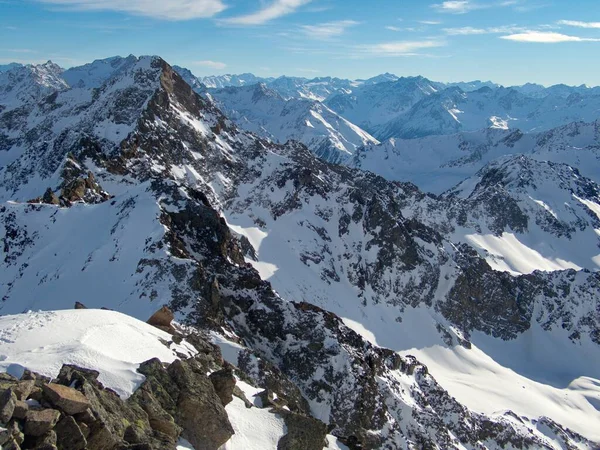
{"x": 138, "y": 192}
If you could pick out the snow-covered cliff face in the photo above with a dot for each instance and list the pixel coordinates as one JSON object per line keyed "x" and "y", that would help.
{"x": 21, "y": 84}
{"x": 263, "y": 111}
{"x": 316, "y": 268}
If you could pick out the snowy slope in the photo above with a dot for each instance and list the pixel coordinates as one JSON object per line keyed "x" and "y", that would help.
{"x": 263, "y": 111}
{"x": 562, "y": 210}
{"x": 107, "y": 341}
{"x": 94, "y": 74}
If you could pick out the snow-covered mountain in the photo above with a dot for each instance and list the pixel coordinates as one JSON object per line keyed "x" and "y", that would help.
{"x": 263, "y": 111}
{"x": 96, "y": 73}
{"x": 5, "y": 67}
{"x": 22, "y": 84}
{"x": 453, "y": 110}
{"x": 372, "y": 105}
{"x": 437, "y": 163}
{"x": 221, "y": 81}
{"x": 318, "y": 280}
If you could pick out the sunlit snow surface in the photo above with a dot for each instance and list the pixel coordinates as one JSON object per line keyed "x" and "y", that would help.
{"x": 110, "y": 342}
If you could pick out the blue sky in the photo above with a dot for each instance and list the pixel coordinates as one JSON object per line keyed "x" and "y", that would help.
{"x": 507, "y": 41}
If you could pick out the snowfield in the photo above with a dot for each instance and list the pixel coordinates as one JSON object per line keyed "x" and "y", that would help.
{"x": 107, "y": 341}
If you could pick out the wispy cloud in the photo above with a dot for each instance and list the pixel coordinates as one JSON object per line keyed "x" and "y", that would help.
{"x": 276, "y": 9}
{"x": 456, "y": 6}
{"x": 576, "y": 23}
{"x": 304, "y": 70}
{"x": 546, "y": 37}
{"x": 468, "y": 31}
{"x": 430, "y": 22}
{"x": 211, "y": 64}
{"x": 329, "y": 29}
{"x": 400, "y": 48}
{"x": 393, "y": 28}
{"x": 465, "y": 6}
{"x": 159, "y": 9}
{"x": 18, "y": 50}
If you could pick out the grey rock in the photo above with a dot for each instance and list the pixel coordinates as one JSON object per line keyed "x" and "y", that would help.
{"x": 8, "y": 400}
{"x": 69, "y": 435}
{"x": 38, "y": 423}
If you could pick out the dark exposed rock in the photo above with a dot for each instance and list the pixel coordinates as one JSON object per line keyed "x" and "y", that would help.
{"x": 23, "y": 389}
{"x": 50, "y": 197}
{"x": 8, "y": 400}
{"x": 47, "y": 441}
{"x": 69, "y": 435}
{"x": 79, "y": 305}
{"x": 162, "y": 318}
{"x": 303, "y": 433}
{"x": 224, "y": 383}
{"x": 199, "y": 408}
{"x": 20, "y": 411}
{"x": 38, "y": 423}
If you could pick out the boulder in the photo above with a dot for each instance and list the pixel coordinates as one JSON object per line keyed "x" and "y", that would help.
{"x": 69, "y": 435}
{"x": 13, "y": 432}
{"x": 303, "y": 433}
{"x": 38, "y": 423}
{"x": 11, "y": 444}
{"x": 5, "y": 435}
{"x": 21, "y": 409}
{"x": 237, "y": 392}
{"x": 199, "y": 409}
{"x": 162, "y": 318}
{"x": 224, "y": 383}
{"x": 50, "y": 197}
{"x": 23, "y": 389}
{"x": 8, "y": 400}
{"x": 45, "y": 442}
{"x": 79, "y": 305}
{"x": 66, "y": 399}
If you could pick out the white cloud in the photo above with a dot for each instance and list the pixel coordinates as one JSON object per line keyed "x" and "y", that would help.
{"x": 275, "y": 10}
{"x": 465, "y": 6}
{"x": 546, "y": 37}
{"x": 576, "y": 23}
{"x": 328, "y": 30}
{"x": 430, "y": 22}
{"x": 212, "y": 64}
{"x": 160, "y": 9}
{"x": 464, "y": 31}
{"x": 392, "y": 28}
{"x": 399, "y": 48}
{"x": 468, "y": 31}
{"x": 456, "y": 6}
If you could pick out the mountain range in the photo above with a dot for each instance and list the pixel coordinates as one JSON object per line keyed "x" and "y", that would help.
{"x": 438, "y": 289}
